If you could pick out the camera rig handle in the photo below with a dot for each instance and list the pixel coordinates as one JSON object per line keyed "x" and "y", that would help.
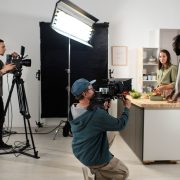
{"x": 22, "y": 51}
{"x": 122, "y": 96}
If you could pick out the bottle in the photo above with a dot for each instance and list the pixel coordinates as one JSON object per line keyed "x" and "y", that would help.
{"x": 144, "y": 77}
{"x": 154, "y": 76}
{"x": 149, "y": 77}
{"x": 149, "y": 88}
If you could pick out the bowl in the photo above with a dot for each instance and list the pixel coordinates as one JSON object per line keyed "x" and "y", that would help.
{"x": 152, "y": 59}
{"x": 135, "y": 95}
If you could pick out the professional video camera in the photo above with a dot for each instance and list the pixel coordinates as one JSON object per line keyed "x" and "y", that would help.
{"x": 108, "y": 89}
{"x": 19, "y": 61}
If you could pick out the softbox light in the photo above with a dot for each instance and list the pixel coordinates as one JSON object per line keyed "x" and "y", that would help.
{"x": 73, "y": 22}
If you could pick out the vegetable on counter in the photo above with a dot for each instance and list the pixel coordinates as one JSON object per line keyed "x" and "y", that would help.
{"x": 135, "y": 94}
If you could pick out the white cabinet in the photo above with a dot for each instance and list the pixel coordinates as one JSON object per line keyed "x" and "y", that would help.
{"x": 147, "y": 69}
{"x": 158, "y": 145}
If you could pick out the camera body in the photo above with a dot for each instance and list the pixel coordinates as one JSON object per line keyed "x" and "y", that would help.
{"x": 108, "y": 89}
{"x": 19, "y": 61}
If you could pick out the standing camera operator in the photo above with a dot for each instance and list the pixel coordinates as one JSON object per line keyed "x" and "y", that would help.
{"x": 3, "y": 70}
{"x": 89, "y": 128}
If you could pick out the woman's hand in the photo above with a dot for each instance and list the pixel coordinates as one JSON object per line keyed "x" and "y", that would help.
{"x": 159, "y": 89}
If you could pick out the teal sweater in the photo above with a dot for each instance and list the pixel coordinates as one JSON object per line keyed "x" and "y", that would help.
{"x": 90, "y": 144}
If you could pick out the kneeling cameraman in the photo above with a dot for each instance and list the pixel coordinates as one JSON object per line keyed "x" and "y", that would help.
{"x": 89, "y": 128}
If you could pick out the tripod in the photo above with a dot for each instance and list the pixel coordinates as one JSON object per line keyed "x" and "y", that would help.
{"x": 24, "y": 110}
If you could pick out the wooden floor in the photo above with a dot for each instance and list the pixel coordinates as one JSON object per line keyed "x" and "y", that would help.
{"x": 58, "y": 163}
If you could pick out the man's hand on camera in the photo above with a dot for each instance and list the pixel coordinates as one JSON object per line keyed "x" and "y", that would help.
{"x": 14, "y": 55}
{"x": 8, "y": 67}
{"x": 127, "y": 103}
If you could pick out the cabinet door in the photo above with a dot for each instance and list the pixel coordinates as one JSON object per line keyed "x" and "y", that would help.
{"x": 161, "y": 134}
{"x": 139, "y": 130}
{"x": 133, "y": 132}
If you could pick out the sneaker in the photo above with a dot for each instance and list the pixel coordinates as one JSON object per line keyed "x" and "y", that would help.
{"x": 5, "y": 146}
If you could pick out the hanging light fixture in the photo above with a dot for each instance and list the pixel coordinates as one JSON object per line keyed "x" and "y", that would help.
{"x": 73, "y": 22}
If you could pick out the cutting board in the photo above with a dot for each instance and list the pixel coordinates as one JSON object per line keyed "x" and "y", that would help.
{"x": 156, "y": 98}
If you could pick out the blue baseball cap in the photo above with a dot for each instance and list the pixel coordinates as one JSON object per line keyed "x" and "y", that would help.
{"x": 80, "y": 85}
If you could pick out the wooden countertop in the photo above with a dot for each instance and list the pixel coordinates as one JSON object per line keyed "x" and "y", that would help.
{"x": 148, "y": 104}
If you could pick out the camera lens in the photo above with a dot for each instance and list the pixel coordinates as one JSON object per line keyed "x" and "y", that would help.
{"x": 26, "y": 62}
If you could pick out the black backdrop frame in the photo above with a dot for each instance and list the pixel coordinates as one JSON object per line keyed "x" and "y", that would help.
{"x": 86, "y": 62}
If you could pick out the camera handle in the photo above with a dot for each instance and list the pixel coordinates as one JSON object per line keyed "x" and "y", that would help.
{"x": 122, "y": 97}
{"x": 110, "y": 73}
{"x": 38, "y": 75}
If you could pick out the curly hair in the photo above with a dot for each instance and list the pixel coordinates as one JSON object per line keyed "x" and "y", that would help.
{"x": 176, "y": 44}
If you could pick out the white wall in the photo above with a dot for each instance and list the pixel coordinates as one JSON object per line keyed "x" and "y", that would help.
{"x": 132, "y": 23}
{"x": 19, "y": 25}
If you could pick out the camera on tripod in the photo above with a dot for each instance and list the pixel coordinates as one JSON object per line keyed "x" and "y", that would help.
{"x": 19, "y": 60}
{"x": 110, "y": 89}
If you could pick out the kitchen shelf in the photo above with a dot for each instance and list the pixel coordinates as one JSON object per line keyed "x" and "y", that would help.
{"x": 149, "y": 80}
{"x": 150, "y": 64}
{"x": 146, "y": 68}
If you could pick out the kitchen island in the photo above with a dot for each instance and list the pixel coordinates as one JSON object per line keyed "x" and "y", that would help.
{"x": 153, "y": 129}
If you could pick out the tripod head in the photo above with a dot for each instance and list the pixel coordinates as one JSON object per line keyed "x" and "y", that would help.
{"x": 17, "y": 74}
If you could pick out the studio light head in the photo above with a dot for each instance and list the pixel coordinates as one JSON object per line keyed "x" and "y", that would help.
{"x": 73, "y": 22}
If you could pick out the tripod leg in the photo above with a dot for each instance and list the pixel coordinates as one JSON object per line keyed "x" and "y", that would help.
{"x": 24, "y": 110}
{"x": 9, "y": 97}
{"x": 6, "y": 108}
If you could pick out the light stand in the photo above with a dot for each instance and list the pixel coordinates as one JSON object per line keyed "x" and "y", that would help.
{"x": 68, "y": 87}
{"x": 73, "y": 22}
{"x": 39, "y": 123}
